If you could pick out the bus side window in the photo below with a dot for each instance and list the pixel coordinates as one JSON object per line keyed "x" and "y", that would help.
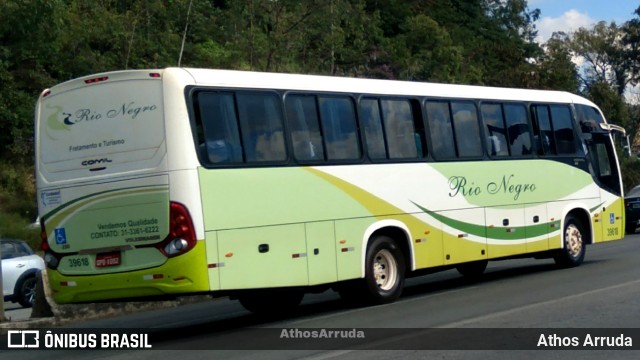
{"x": 496, "y": 134}
{"x": 467, "y": 129}
{"x": 261, "y": 121}
{"x": 543, "y": 132}
{"x": 373, "y": 130}
{"x": 338, "y": 119}
{"x": 563, "y": 129}
{"x": 221, "y": 133}
{"x": 441, "y": 129}
{"x": 302, "y": 117}
{"x": 397, "y": 117}
{"x": 518, "y": 129}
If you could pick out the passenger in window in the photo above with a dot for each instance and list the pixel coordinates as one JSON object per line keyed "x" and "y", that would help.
{"x": 270, "y": 146}
{"x": 218, "y": 151}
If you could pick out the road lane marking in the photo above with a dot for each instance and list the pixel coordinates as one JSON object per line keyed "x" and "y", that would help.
{"x": 462, "y": 323}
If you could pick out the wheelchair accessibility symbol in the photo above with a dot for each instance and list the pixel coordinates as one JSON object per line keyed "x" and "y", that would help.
{"x": 61, "y": 236}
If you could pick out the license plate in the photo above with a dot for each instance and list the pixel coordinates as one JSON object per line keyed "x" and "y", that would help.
{"x": 108, "y": 259}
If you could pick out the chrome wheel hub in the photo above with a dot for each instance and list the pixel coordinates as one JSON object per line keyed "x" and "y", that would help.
{"x": 385, "y": 270}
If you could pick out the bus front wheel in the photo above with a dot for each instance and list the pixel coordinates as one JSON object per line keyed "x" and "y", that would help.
{"x": 574, "y": 245}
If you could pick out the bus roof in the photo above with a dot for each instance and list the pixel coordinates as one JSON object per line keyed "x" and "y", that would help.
{"x": 233, "y": 78}
{"x": 285, "y": 81}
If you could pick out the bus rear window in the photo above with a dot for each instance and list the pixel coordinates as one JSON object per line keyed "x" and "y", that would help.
{"x": 118, "y": 126}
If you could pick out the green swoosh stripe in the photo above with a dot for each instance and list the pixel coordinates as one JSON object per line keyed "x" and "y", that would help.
{"x": 496, "y": 233}
{"x": 74, "y": 204}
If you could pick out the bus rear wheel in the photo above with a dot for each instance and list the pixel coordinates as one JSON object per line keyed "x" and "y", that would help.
{"x": 271, "y": 302}
{"x": 574, "y": 245}
{"x": 384, "y": 275}
{"x": 472, "y": 270}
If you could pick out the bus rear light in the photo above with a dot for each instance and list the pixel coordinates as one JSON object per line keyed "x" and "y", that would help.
{"x": 51, "y": 260}
{"x": 96, "y": 80}
{"x": 175, "y": 246}
{"x": 154, "y": 75}
{"x": 46, "y": 93}
{"x": 182, "y": 236}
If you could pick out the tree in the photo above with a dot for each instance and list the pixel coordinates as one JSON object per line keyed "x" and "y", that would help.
{"x": 631, "y": 45}
{"x": 426, "y": 52}
{"x": 556, "y": 70}
{"x": 26, "y": 44}
{"x": 610, "y": 102}
{"x": 605, "y": 56}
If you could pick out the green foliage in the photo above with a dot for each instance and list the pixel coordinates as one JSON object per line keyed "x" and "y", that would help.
{"x": 556, "y": 71}
{"x": 610, "y": 102}
{"x": 17, "y": 202}
{"x": 630, "y": 172}
{"x": 14, "y": 226}
{"x": 425, "y": 51}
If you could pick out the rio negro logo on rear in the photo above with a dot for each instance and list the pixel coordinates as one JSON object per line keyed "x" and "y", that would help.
{"x": 129, "y": 110}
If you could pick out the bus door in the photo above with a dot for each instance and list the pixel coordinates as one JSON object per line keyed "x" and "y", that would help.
{"x": 607, "y": 174}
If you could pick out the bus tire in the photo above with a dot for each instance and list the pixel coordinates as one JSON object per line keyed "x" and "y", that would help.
{"x": 271, "y": 302}
{"x": 630, "y": 229}
{"x": 472, "y": 270}
{"x": 384, "y": 271}
{"x": 573, "y": 244}
{"x": 26, "y": 291}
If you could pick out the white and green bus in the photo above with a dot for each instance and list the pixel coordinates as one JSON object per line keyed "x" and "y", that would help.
{"x": 264, "y": 186}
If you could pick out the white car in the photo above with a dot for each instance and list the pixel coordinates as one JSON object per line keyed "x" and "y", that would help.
{"x": 19, "y": 268}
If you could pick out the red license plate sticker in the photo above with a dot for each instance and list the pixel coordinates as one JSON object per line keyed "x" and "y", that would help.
{"x": 108, "y": 259}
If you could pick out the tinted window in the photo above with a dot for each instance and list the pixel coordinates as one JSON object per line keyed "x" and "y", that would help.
{"x": 563, "y": 129}
{"x": 220, "y": 127}
{"x": 467, "y": 129}
{"x": 390, "y": 128}
{"x": 440, "y": 129}
{"x": 302, "y": 117}
{"x": 401, "y": 136}
{"x": 542, "y": 130}
{"x": 373, "y": 132}
{"x": 496, "y": 134}
{"x": 261, "y": 124}
{"x": 518, "y": 129}
{"x": 339, "y": 128}
{"x": 240, "y": 127}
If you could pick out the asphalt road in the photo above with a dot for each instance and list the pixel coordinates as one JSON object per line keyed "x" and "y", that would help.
{"x": 15, "y": 311}
{"x": 600, "y": 297}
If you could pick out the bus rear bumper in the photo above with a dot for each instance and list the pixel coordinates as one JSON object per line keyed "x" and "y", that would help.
{"x": 179, "y": 275}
